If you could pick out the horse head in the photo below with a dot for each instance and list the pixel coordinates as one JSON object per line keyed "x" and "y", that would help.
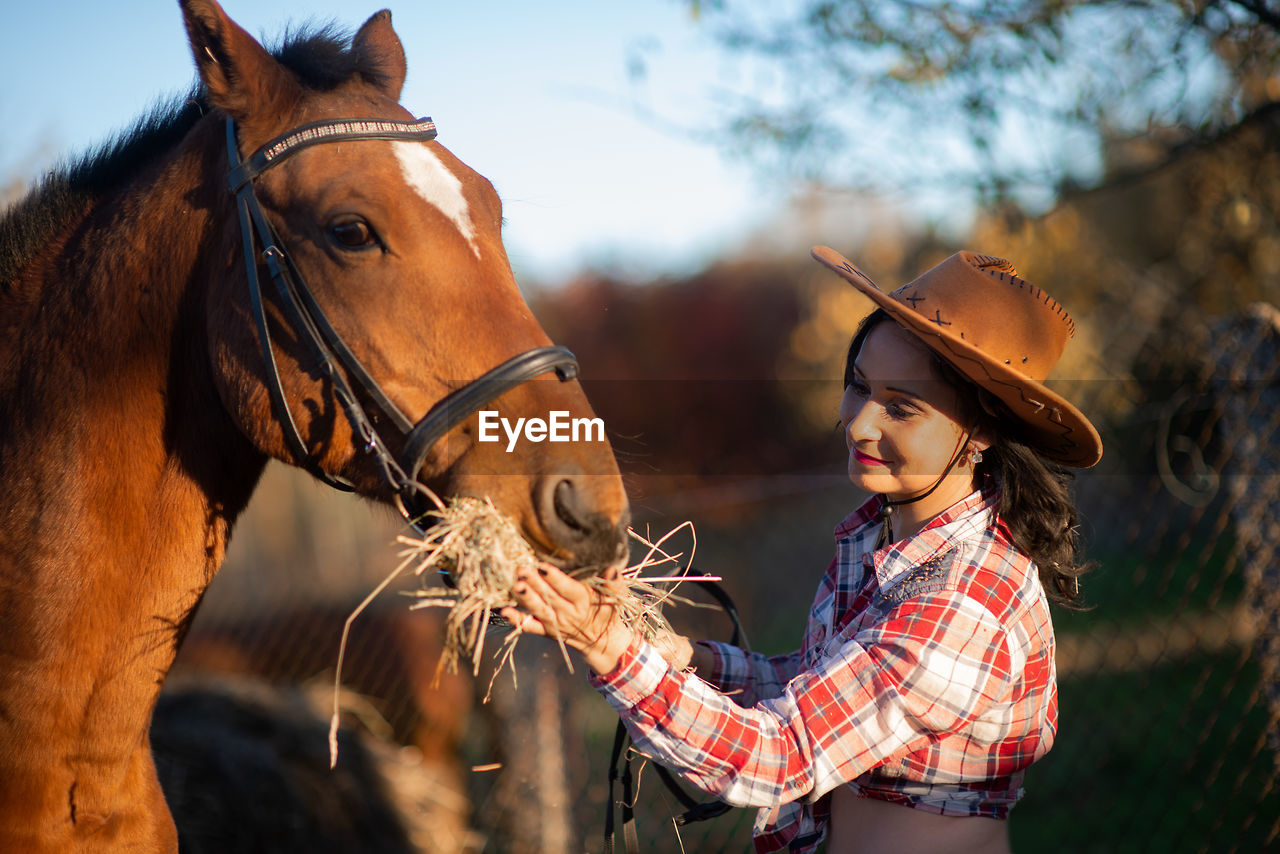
{"x": 244, "y": 275}
{"x": 398, "y": 245}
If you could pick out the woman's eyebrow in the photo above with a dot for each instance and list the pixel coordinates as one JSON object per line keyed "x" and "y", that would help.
{"x": 915, "y": 395}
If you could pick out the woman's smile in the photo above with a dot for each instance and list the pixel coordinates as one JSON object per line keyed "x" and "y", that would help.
{"x": 867, "y": 459}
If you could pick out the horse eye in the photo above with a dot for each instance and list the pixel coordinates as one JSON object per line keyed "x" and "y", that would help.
{"x": 354, "y": 234}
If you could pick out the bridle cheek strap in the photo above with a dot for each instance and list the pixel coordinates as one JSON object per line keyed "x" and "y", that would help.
{"x": 333, "y": 358}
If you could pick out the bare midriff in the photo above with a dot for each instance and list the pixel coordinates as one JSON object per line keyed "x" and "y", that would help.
{"x": 862, "y": 825}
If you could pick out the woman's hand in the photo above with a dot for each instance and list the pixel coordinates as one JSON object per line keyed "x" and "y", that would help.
{"x": 556, "y": 606}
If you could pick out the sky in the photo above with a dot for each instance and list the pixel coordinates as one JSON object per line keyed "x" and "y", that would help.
{"x": 598, "y": 165}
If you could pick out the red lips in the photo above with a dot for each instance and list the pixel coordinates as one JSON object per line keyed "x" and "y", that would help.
{"x": 868, "y": 460}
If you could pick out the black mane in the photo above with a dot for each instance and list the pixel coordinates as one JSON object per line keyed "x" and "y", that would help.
{"x": 320, "y": 57}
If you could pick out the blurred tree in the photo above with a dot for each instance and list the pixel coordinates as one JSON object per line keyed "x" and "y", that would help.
{"x": 1145, "y": 260}
{"x": 688, "y": 374}
{"x": 1008, "y": 100}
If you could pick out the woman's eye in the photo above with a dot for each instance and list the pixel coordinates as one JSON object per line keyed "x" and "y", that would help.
{"x": 353, "y": 234}
{"x": 900, "y": 411}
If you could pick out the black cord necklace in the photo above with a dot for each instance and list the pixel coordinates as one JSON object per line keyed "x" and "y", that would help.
{"x": 888, "y": 508}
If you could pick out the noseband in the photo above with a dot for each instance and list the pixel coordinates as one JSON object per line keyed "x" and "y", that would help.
{"x": 309, "y": 323}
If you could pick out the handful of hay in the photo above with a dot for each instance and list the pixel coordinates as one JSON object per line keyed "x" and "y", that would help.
{"x": 480, "y": 551}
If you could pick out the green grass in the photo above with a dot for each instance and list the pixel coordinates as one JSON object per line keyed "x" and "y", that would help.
{"x": 1170, "y": 760}
{"x": 1129, "y": 588}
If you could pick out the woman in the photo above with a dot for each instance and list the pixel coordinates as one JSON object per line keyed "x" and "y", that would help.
{"x": 924, "y": 687}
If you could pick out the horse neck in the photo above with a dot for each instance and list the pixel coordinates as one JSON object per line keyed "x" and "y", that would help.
{"x": 120, "y": 476}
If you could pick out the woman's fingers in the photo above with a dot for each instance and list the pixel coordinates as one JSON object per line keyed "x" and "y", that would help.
{"x": 568, "y": 588}
{"x": 523, "y": 621}
{"x": 555, "y": 615}
{"x": 571, "y": 600}
{"x": 538, "y": 599}
{"x": 565, "y": 607}
{"x": 535, "y": 615}
{"x": 555, "y": 605}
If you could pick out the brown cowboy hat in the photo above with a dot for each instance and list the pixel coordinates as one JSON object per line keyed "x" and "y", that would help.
{"x": 998, "y": 330}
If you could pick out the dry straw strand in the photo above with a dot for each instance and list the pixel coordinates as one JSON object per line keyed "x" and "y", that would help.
{"x": 346, "y": 633}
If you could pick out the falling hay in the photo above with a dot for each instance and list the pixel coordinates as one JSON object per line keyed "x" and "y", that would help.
{"x": 476, "y": 552}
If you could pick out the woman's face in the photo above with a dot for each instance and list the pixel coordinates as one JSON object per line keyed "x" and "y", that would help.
{"x": 901, "y": 422}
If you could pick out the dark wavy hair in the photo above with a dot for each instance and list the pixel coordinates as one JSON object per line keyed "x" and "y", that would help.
{"x": 1035, "y": 495}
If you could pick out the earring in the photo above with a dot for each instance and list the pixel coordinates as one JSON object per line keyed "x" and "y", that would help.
{"x": 975, "y": 456}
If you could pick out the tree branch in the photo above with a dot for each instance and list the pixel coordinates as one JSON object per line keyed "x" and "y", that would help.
{"x": 1259, "y": 9}
{"x": 1267, "y": 113}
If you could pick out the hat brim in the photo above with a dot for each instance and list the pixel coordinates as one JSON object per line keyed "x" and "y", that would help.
{"x": 1055, "y": 428}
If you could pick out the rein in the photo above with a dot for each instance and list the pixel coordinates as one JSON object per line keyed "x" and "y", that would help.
{"x": 309, "y": 323}
{"x": 620, "y": 763}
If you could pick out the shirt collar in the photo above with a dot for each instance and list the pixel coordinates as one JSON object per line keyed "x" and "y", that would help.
{"x": 868, "y": 512}
{"x": 974, "y": 512}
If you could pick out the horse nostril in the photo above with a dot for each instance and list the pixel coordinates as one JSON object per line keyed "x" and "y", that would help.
{"x": 566, "y": 509}
{"x": 565, "y": 503}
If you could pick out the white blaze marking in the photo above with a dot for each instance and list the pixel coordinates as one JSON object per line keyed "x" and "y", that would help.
{"x": 424, "y": 172}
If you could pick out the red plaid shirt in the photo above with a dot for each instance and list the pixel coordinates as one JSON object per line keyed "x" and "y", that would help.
{"x": 926, "y": 678}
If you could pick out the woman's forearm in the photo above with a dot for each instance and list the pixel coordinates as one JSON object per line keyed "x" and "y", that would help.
{"x": 702, "y": 660}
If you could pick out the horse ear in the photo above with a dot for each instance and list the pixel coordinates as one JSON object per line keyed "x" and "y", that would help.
{"x": 242, "y": 78}
{"x": 378, "y": 46}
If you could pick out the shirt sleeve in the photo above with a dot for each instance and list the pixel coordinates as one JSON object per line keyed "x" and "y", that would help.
{"x": 749, "y": 677}
{"x": 932, "y": 664}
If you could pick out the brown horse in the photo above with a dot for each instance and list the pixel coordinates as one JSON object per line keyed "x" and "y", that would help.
{"x": 137, "y": 407}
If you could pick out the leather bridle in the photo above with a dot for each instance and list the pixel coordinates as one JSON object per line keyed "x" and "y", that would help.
{"x": 331, "y": 354}
{"x": 310, "y": 324}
